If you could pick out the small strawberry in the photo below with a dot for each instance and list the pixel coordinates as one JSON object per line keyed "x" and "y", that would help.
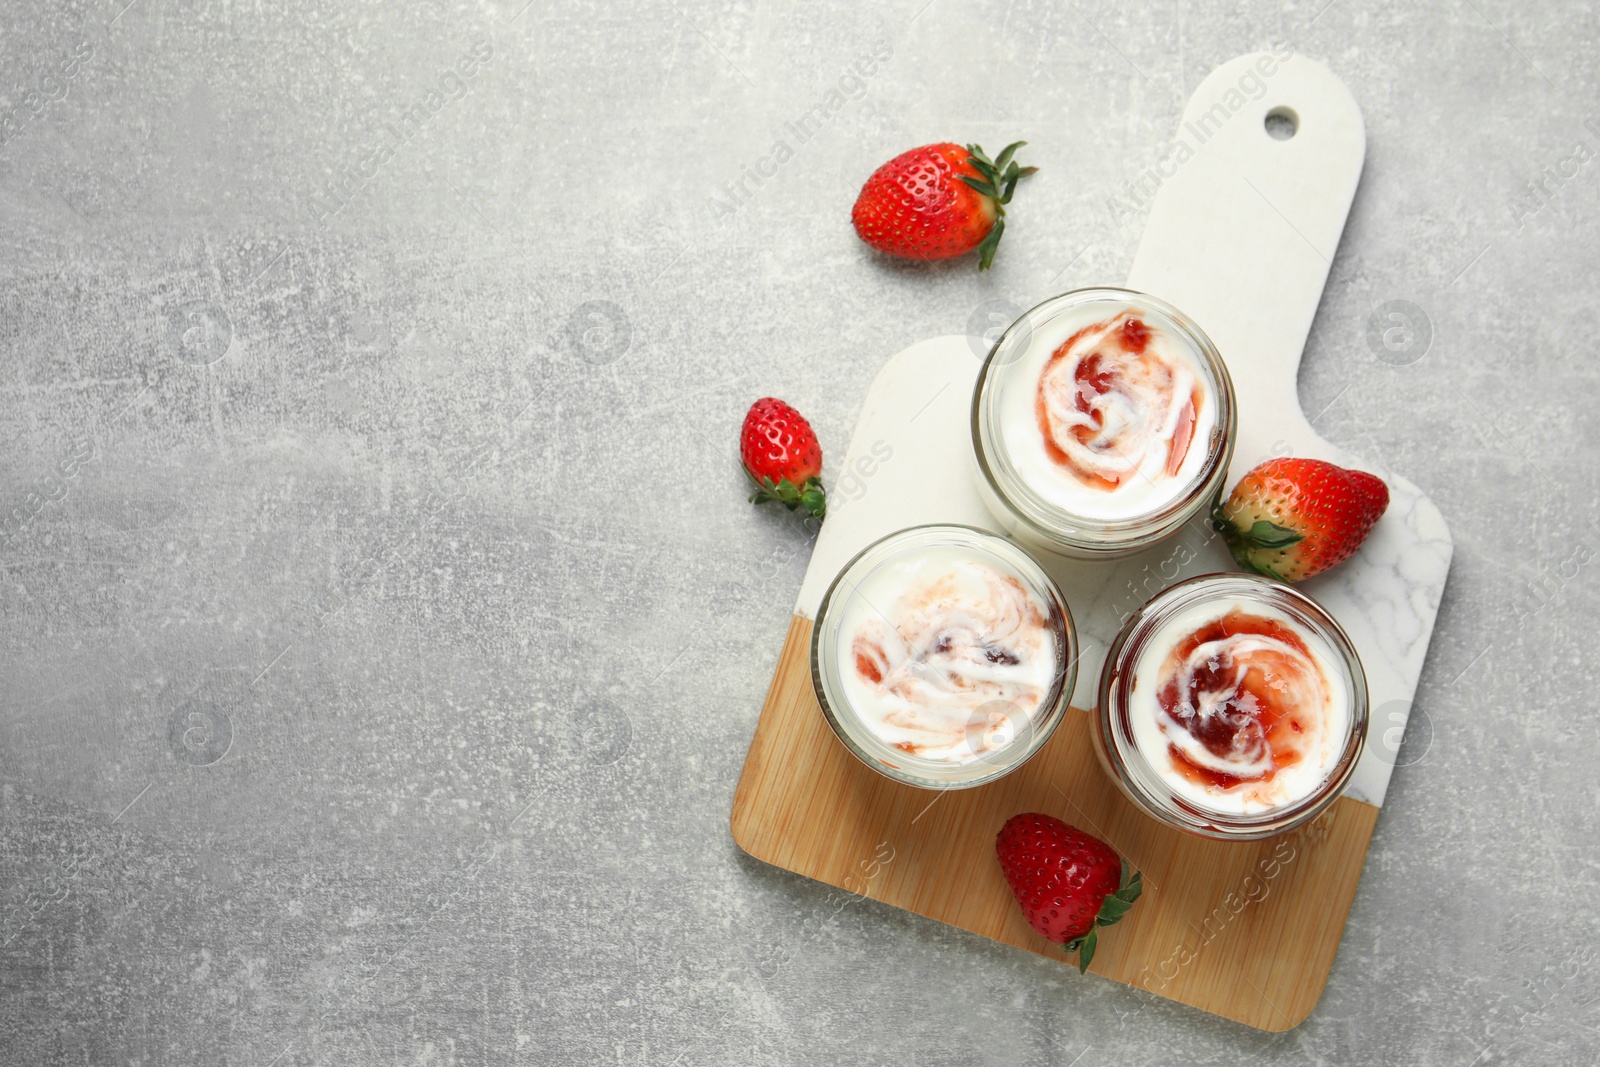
{"x": 1068, "y": 883}
{"x": 939, "y": 201}
{"x": 781, "y": 455}
{"x": 1292, "y": 518}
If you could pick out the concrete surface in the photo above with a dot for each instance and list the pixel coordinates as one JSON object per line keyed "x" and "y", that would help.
{"x": 384, "y": 625}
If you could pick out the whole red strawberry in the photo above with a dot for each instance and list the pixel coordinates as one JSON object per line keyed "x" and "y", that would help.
{"x": 1068, "y": 883}
{"x": 781, "y": 454}
{"x": 939, "y": 201}
{"x": 1292, "y": 518}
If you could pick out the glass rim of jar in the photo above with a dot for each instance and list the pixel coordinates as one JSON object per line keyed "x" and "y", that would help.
{"x": 1050, "y": 523}
{"x": 1131, "y": 770}
{"x": 850, "y": 727}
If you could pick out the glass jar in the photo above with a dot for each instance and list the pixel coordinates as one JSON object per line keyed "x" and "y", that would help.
{"x": 1102, "y": 421}
{"x": 943, "y": 656}
{"x": 1190, "y": 672}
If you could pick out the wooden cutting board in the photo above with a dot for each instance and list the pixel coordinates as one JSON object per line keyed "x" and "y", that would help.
{"x": 1241, "y": 233}
{"x": 1246, "y": 930}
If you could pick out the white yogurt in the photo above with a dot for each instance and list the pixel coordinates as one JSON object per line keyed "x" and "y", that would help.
{"x": 1311, "y": 685}
{"x": 945, "y": 655}
{"x": 1113, "y": 462}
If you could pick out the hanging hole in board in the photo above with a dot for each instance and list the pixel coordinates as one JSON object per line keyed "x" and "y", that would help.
{"x": 1281, "y": 123}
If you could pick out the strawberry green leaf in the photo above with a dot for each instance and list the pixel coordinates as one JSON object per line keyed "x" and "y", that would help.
{"x": 1116, "y": 905}
{"x": 784, "y": 492}
{"x": 1238, "y": 549}
{"x": 997, "y": 181}
{"x": 1112, "y": 909}
{"x": 1132, "y": 889}
{"x": 1243, "y": 555}
{"x": 1265, "y": 571}
{"x": 986, "y": 250}
{"x": 813, "y": 499}
{"x": 983, "y": 187}
{"x": 1262, "y": 536}
{"x": 1086, "y": 950}
{"x": 987, "y": 169}
{"x": 1006, "y": 153}
{"x": 1271, "y": 536}
{"x": 765, "y": 490}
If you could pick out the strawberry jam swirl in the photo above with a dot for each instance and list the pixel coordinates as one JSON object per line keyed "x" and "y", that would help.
{"x": 1113, "y": 407}
{"x": 1241, "y": 700}
{"x": 957, "y": 664}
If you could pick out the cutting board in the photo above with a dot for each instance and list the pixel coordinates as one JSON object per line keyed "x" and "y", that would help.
{"x": 1241, "y": 231}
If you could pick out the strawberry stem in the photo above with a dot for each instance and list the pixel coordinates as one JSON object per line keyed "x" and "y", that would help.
{"x": 1091, "y": 941}
{"x": 1269, "y": 535}
{"x": 998, "y": 181}
{"x": 1262, "y": 535}
{"x": 809, "y": 496}
{"x": 1112, "y": 909}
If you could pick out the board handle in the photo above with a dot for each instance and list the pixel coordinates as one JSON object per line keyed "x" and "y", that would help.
{"x": 1245, "y": 214}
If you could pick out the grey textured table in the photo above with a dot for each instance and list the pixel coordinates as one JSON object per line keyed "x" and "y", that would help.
{"x": 385, "y": 625}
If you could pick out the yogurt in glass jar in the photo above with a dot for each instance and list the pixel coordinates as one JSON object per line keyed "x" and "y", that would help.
{"x": 943, "y": 656}
{"x": 1102, "y": 421}
{"x": 1231, "y": 706}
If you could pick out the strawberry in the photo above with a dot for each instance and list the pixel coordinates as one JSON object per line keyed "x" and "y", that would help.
{"x": 781, "y": 455}
{"x": 1292, "y": 518}
{"x": 939, "y": 201}
{"x": 1068, "y": 883}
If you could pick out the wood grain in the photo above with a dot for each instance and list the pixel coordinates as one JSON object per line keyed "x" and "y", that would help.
{"x": 1247, "y": 931}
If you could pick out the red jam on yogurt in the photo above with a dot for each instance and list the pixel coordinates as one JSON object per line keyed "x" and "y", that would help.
{"x": 1112, "y": 407}
{"x": 1231, "y": 706}
{"x": 1241, "y": 689}
{"x": 1106, "y": 422}
{"x": 1240, "y": 708}
{"x": 948, "y": 656}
